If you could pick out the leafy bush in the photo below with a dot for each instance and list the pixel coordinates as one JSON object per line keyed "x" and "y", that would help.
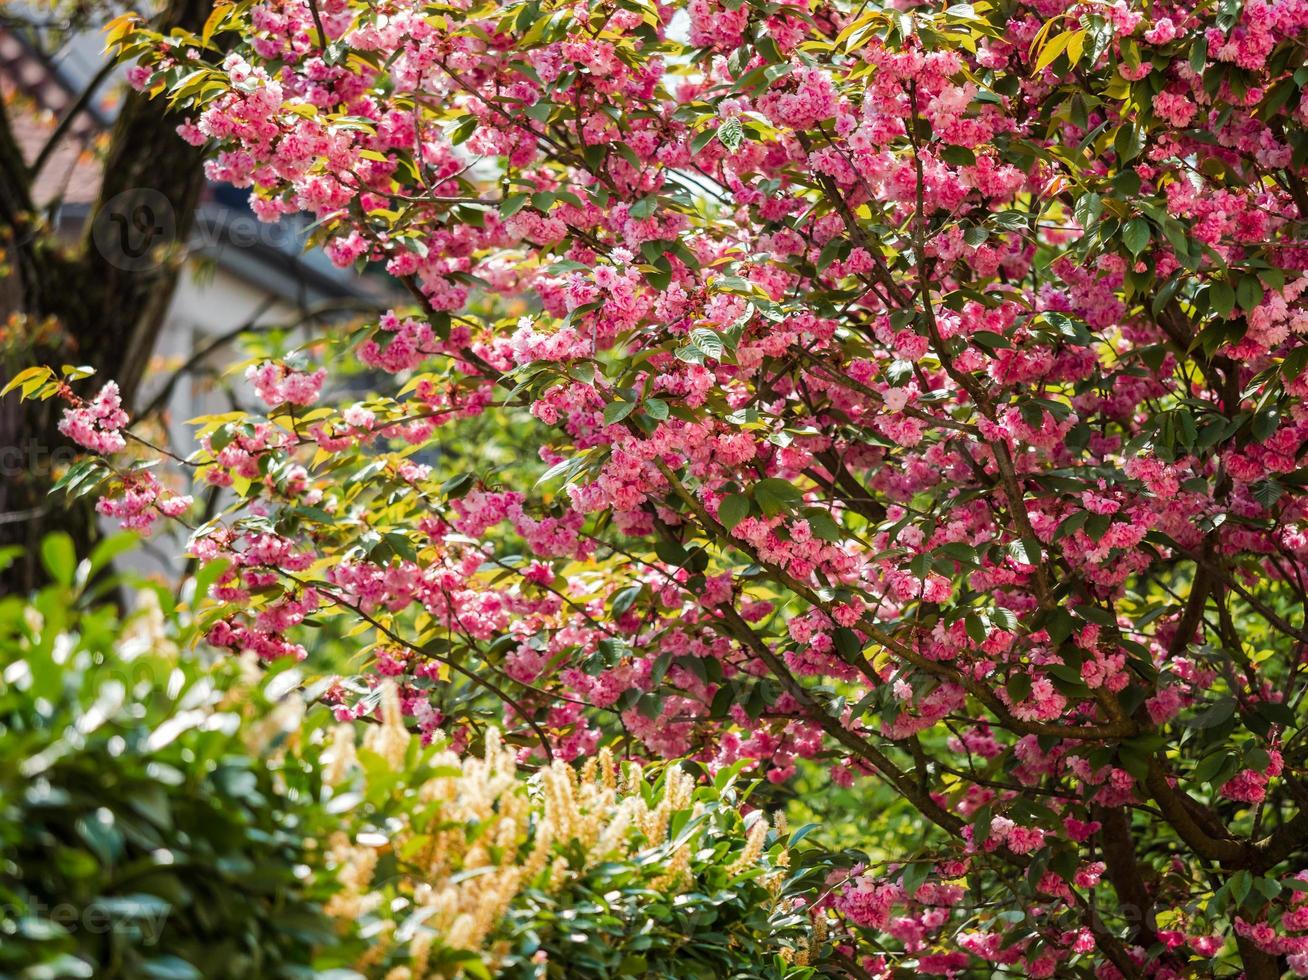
{"x": 142, "y": 835}
{"x": 165, "y": 816}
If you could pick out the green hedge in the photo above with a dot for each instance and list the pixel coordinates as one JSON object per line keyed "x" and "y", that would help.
{"x": 140, "y": 836}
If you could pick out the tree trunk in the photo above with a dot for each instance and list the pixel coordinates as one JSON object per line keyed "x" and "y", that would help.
{"x": 1123, "y": 872}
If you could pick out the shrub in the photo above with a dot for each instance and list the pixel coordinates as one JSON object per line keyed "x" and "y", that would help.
{"x": 141, "y": 835}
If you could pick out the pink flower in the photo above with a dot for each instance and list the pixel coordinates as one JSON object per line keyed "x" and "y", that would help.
{"x": 276, "y": 384}
{"x": 96, "y": 425}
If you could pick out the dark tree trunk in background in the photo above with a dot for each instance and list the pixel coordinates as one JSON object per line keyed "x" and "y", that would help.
{"x": 99, "y": 302}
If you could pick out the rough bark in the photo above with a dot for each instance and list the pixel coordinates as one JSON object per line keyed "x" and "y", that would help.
{"x": 1123, "y": 872}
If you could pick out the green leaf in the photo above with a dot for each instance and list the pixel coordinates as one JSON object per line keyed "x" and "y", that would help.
{"x": 733, "y": 509}
{"x": 775, "y": 495}
{"x": 847, "y": 643}
{"x": 626, "y": 598}
{"x": 110, "y": 548}
{"x": 463, "y": 129}
{"x": 614, "y": 650}
{"x": 822, "y": 525}
{"x": 1072, "y": 524}
{"x": 1269, "y": 888}
{"x": 1221, "y": 297}
{"x": 1265, "y": 424}
{"x": 1133, "y": 761}
{"x": 1068, "y": 327}
{"x": 615, "y": 412}
{"x": 59, "y": 557}
{"x": 1087, "y": 210}
{"x": 567, "y": 468}
{"x": 690, "y": 354}
{"x": 1060, "y": 626}
{"x": 169, "y": 968}
{"x": 1130, "y": 52}
{"x": 650, "y": 705}
{"x": 458, "y": 486}
{"x": 1135, "y": 235}
{"x": 914, "y": 875}
{"x": 1215, "y": 714}
{"x": 731, "y": 134}
{"x": 29, "y": 378}
{"x": 101, "y": 834}
{"x": 1075, "y": 48}
{"x": 512, "y": 204}
{"x": 1268, "y": 492}
{"x": 1051, "y": 51}
{"x": 1209, "y": 767}
{"x": 702, "y": 140}
{"x": 1127, "y": 144}
{"x": 959, "y": 156}
{"x": 990, "y": 340}
{"x": 709, "y": 342}
{"x": 1241, "y": 885}
{"x": 1248, "y": 292}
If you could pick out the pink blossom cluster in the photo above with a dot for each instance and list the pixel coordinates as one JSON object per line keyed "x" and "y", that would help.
{"x": 276, "y": 384}
{"x": 96, "y": 425}
{"x": 140, "y": 501}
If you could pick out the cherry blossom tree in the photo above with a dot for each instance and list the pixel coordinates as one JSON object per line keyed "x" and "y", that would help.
{"x": 918, "y": 392}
